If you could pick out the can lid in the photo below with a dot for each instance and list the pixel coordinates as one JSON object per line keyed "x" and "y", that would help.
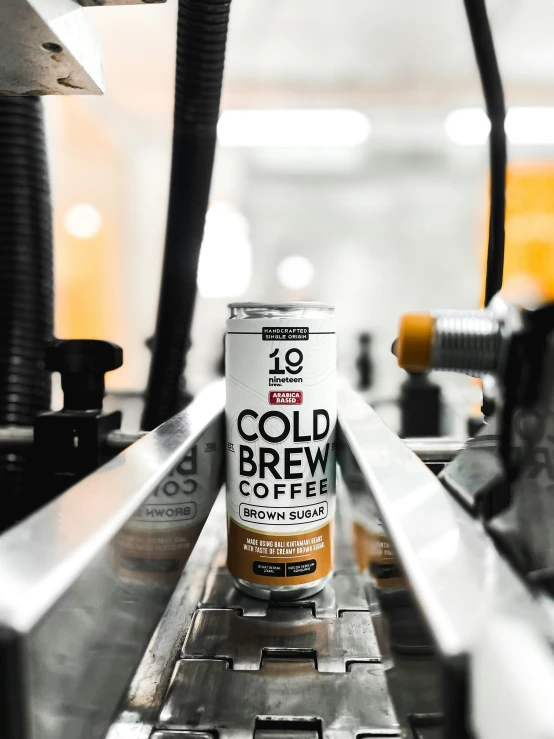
{"x": 289, "y": 304}
{"x": 293, "y": 309}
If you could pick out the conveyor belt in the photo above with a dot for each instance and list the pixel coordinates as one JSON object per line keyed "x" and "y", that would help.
{"x": 250, "y": 669}
{"x": 241, "y": 668}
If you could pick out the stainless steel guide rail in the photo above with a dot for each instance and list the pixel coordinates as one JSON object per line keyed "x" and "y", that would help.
{"x": 453, "y": 567}
{"x": 465, "y": 589}
{"x": 72, "y": 629}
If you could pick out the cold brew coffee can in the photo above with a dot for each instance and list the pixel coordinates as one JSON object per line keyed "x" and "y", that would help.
{"x": 281, "y": 416}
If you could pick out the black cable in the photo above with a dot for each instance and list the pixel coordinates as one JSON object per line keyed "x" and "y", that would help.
{"x": 491, "y": 82}
{"x": 201, "y": 40}
{"x": 26, "y": 284}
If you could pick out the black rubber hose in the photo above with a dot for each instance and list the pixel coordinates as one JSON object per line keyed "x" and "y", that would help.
{"x": 491, "y": 82}
{"x": 201, "y": 40}
{"x": 26, "y": 281}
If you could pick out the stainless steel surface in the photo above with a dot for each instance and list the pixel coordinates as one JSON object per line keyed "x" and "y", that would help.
{"x": 48, "y": 48}
{"x": 140, "y": 708}
{"x": 120, "y": 440}
{"x": 207, "y": 693}
{"x": 281, "y": 733}
{"x": 21, "y": 437}
{"x": 512, "y": 683}
{"x": 439, "y": 449}
{"x": 455, "y": 572}
{"x": 78, "y": 624}
{"x": 477, "y": 470}
{"x": 245, "y": 641}
{"x": 95, "y": 3}
{"x": 345, "y": 591}
{"x": 282, "y": 592}
{"x": 286, "y": 734}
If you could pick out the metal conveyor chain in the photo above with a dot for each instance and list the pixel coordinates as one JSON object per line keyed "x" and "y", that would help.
{"x": 253, "y": 669}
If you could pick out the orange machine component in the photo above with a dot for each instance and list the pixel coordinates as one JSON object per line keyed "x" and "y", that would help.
{"x": 415, "y": 341}
{"x": 529, "y": 255}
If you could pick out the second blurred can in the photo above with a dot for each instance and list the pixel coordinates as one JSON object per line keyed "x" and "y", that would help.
{"x": 281, "y": 419}
{"x": 155, "y": 544}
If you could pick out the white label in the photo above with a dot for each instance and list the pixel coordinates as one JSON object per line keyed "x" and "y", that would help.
{"x": 281, "y": 419}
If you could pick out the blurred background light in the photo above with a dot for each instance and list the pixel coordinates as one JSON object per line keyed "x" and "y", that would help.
{"x": 295, "y": 272}
{"x": 524, "y": 125}
{"x": 225, "y": 266}
{"x": 530, "y": 125}
{"x": 293, "y": 127}
{"x": 83, "y": 221}
{"x": 467, "y": 126}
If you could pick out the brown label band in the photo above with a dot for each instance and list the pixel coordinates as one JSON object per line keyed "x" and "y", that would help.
{"x": 374, "y": 552}
{"x": 154, "y": 555}
{"x": 276, "y": 559}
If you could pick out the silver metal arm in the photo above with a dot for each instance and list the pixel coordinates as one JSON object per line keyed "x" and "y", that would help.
{"x": 50, "y": 48}
{"x": 462, "y": 584}
{"x": 74, "y": 619}
{"x": 454, "y": 569}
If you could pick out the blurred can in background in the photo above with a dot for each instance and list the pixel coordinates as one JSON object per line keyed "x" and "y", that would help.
{"x": 158, "y": 540}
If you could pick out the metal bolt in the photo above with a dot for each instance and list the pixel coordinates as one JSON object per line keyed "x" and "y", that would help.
{"x": 467, "y": 341}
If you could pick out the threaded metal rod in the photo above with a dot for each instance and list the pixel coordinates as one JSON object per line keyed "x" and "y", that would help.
{"x": 466, "y": 341}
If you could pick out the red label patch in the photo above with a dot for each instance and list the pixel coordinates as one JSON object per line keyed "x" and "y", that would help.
{"x": 286, "y": 397}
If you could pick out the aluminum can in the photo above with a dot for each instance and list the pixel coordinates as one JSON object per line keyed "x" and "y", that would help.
{"x": 155, "y": 544}
{"x": 281, "y": 415}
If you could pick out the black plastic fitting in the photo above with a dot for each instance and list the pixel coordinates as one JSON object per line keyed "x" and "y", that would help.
{"x": 82, "y": 364}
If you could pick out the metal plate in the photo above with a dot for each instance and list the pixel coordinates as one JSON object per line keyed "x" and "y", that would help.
{"x": 345, "y": 591}
{"x": 454, "y": 569}
{"x": 439, "y": 449}
{"x": 280, "y": 733}
{"x": 207, "y": 694}
{"x": 141, "y": 706}
{"x": 107, "y": 3}
{"x": 286, "y": 734}
{"x": 73, "y": 623}
{"x": 48, "y": 48}
{"x": 244, "y": 641}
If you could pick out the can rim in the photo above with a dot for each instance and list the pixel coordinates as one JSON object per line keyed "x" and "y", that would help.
{"x": 287, "y": 304}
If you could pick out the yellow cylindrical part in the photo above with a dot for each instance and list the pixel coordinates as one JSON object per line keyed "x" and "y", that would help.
{"x": 415, "y": 341}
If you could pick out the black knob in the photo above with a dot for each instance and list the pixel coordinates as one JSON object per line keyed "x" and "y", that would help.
{"x": 82, "y": 364}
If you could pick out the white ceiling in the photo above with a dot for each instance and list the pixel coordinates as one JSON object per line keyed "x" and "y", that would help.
{"x": 372, "y": 52}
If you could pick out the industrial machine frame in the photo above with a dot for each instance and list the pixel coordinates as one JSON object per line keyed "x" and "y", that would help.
{"x": 68, "y": 621}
